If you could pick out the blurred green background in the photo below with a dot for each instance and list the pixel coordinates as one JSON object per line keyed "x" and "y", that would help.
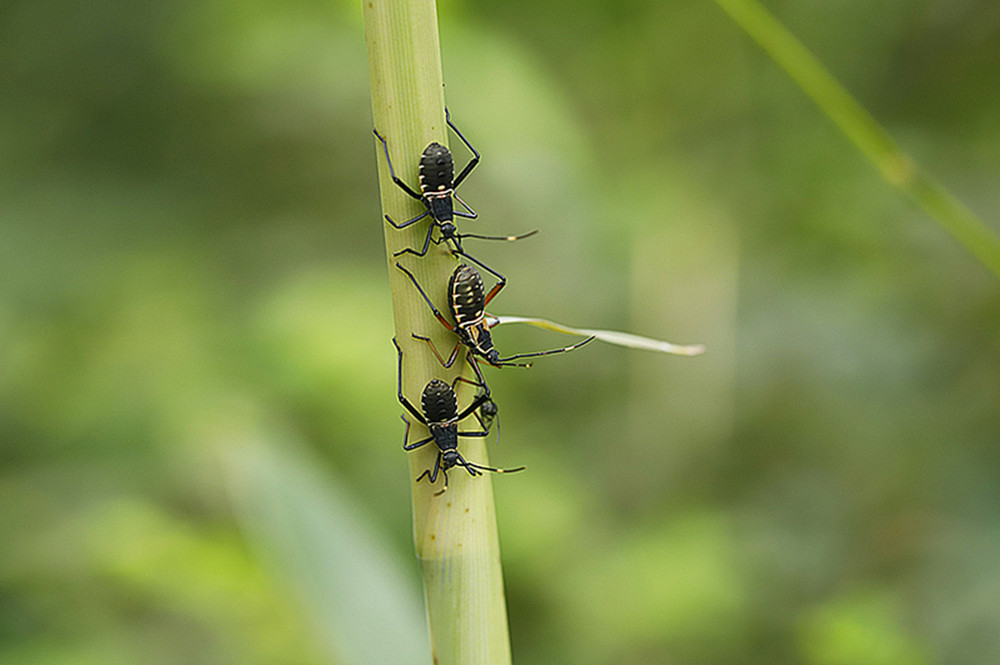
{"x": 196, "y": 375}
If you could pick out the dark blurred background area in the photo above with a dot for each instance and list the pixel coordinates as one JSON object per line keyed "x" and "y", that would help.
{"x": 192, "y": 266}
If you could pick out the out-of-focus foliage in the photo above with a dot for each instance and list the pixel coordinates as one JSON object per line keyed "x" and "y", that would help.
{"x": 191, "y": 258}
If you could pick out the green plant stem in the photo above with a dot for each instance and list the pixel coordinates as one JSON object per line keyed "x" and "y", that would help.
{"x": 863, "y": 130}
{"x": 455, "y": 534}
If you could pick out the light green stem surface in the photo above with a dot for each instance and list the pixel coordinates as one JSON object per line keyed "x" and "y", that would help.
{"x": 455, "y": 534}
{"x": 859, "y": 126}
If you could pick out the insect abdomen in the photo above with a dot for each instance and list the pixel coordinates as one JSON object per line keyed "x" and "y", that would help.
{"x": 467, "y": 294}
{"x": 438, "y": 402}
{"x": 437, "y": 169}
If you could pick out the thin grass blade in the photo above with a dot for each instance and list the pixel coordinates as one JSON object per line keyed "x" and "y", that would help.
{"x": 312, "y": 532}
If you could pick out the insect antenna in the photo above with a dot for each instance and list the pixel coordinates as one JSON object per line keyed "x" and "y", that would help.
{"x": 494, "y": 469}
{"x": 504, "y": 361}
{"x": 507, "y": 238}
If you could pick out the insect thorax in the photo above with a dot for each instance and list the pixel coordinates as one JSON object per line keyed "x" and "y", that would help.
{"x": 477, "y": 336}
{"x": 441, "y": 206}
{"x": 445, "y": 435}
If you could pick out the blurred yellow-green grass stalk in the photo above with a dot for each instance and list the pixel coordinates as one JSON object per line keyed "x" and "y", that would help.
{"x": 864, "y": 131}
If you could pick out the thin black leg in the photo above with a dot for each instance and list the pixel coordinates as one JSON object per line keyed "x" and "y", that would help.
{"x": 399, "y": 387}
{"x": 480, "y": 419}
{"x": 431, "y": 477}
{"x": 496, "y": 287}
{"x": 403, "y": 225}
{"x": 476, "y": 403}
{"x": 472, "y": 214}
{"x": 444, "y": 472}
{"x": 481, "y": 264}
{"x": 473, "y": 162}
{"x": 465, "y": 464}
{"x": 406, "y": 436}
{"x": 392, "y": 172}
{"x": 423, "y": 252}
{"x": 444, "y": 363}
{"x": 475, "y": 368}
{"x": 485, "y": 392}
{"x": 434, "y": 309}
{"x": 486, "y": 389}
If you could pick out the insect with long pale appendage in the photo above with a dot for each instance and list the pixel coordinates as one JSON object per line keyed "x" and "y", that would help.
{"x": 441, "y": 416}
{"x": 437, "y": 192}
{"x": 467, "y": 300}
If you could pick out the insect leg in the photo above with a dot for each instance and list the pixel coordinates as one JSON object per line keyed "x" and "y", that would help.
{"x": 402, "y": 185}
{"x": 445, "y": 363}
{"x": 399, "y": 388}
{"x": 434, "y": 309}
{"x": 473, "y": 162}
{"x": 403, "y": 225}
{"x": 431, "y": 477}
{"x": 427, "y": 243}
{"x": 479, "y": 372}
{"x": 476, "y": 403}
{"x": 406, "y": 436}
{"x": 471, "y": 383}
{"x": 496, "y": 287}
{"x": 465, "y": 464}
{"x": 472, "y": 214}
{"x": 444, "y": 472}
